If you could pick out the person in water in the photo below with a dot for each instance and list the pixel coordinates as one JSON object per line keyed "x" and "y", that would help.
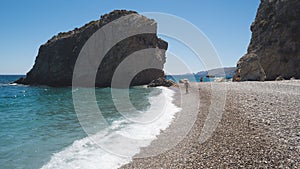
{"x": 186, "y": 85}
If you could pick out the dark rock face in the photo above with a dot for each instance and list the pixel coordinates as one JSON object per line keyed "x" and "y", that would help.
{"x": 56, "y": 59}
{"x": 274, "y": 48}
{"x": 19, "y": 80}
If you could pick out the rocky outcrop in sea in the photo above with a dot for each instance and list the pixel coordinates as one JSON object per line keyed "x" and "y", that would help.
{"x": 162, "y": 82}
{"x": 274, "y": 48}
{"x": 56, "y": 59}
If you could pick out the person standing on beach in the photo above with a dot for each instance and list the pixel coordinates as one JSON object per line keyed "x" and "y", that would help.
{"x": 186, "y": 85}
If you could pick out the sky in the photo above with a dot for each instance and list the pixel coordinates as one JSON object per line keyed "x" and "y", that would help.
{"x": 25, "y": 25}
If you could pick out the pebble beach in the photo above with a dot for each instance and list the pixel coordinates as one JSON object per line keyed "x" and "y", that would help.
{"x": 259, "y": 128}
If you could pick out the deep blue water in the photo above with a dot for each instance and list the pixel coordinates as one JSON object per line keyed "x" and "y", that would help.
{"x": 37, "y": 122}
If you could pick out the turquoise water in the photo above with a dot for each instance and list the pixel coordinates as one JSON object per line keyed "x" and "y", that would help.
{"x": 38, "y": 122}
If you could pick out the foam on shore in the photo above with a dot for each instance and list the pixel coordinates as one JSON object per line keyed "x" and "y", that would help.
{"x": 115, "y": 146}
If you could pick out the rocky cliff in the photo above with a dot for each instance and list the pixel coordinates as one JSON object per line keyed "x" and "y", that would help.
{"x": 274, "y": 49}
{"x": 56, "y": 59}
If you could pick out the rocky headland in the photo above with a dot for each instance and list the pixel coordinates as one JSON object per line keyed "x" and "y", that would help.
{"x": 274, "y": 47}
{"x": 56, "y": 59}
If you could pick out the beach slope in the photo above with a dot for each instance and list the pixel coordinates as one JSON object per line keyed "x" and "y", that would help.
{"x": 260, "y": 127}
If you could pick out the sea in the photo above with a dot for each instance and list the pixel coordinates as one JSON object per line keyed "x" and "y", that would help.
{"x": 40, "y": 128}
{"x": 196, "y": 78}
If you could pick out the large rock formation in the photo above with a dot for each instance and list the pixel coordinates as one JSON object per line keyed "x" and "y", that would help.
{"x": 274, "y": 48}
{"x": 56, "y": 59}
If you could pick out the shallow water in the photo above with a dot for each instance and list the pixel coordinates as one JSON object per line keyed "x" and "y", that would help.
{"x": 40, "y": 128}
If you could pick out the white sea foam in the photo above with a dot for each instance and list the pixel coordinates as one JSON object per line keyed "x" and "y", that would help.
{"x": 115, "y": 146}
{"x": 13, "y": 84}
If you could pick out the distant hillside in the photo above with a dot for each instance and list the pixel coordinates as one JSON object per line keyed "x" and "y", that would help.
{"x": 229, "y": 72}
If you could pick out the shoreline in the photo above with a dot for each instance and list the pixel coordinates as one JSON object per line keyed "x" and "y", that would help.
{"x": 259, "y": 128}
{"x": 115, "y": 145}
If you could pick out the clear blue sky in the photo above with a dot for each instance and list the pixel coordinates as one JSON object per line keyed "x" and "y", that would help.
{"x": 25, "y": 25}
